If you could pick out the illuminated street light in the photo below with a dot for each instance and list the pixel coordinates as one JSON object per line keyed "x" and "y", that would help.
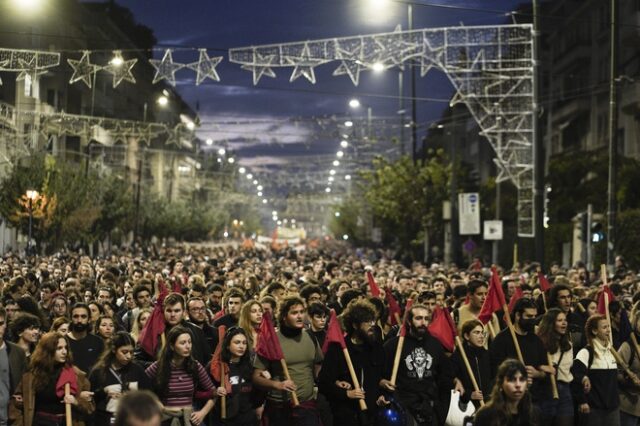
{"x": 327, "y": 190}
{"x": 348, "y": 123}
{"x": 163, "y": 100}
{"x": 339, "y": 154}
{"x": 332, "y": 172}
{"x": 209, "y": 142}
{"x": 249, "y": 176}
{"x": 255, "y": 181}
{"x": 259, "y": 193}
{"x": 259, "y": 187}
{"x": 275, "y": 213}
{"x": 27, "y": 5}
{"x": 242, "y": 170}
{"x": 191, "y": 125}
{"x": 330, "y": 178}
{"x": 354, "y": 103}
{"x": 222, "y": 151}
{"x": 336, "y": 163}
{"x": 231, "y": 160}
{"x": 347, "y": 177}
{"x": 378, "y": 67}
{"x": 337, "y": 214}
{"x": 345, "y": 237}
{"x": 293, "y": 221}
{"x": 264, "y": 201}
{"x": 117, "y": 60}
{"x": 226, "y": 234}
{"x": 279, "y": 222}
{"x": 344, "y": 144}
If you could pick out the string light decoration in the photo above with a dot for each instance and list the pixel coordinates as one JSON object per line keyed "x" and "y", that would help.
{"x": 83, "y": 70}
{"x": 27, "y": 62}
{"x": 491, "y": 69}
{"x": 166, "y": 69}
{"x": 205, "y": 67}
{"x": 121, "y": 69}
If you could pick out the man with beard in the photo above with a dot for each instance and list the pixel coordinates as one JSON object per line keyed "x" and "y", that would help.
{"x": 425, "y": 377}
{"x": 367, "y": 356}
{"x": 198, "y": 315}
{"x": 303, "y": 357}
{"x": 214, "y": 301}
{"x": 535, "y": 357}
{"x": 86, "y": 348}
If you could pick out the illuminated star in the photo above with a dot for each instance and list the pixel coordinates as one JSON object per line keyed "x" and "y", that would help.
{"x": 351, "y": 63}
{"x": 429, "y": 57}
{"x": 121, "y": 71}
{"x": 205, "y": 67}
{"x": 261, "y": 66}
{"x": 304, "y": 65}
{"x": 165, "y": 69}
{"x": 83, "y": 69}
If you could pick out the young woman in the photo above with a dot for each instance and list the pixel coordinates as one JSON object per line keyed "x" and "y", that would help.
{"x": 176, "y": 376}
{"x": 36, "y": 401}
{"x": 139, "y": 323}
{"x": 59, "y": 307}
{"x": 510, "y": 402}
{"x": 114, "y": 374}
{"x": 104, "y": 327}
{"x": 474, "y": 336}
{"x": 96, "y": 311}
{"x": 552, "y": 331}
{"x": 595, "y": 376}
{"x": 250, "y": 320}
{"x": 60, "y": 325}
{"x": 26, "y": 330}
{"x": 629, "y": 394}
{"x": 237, "y": 387}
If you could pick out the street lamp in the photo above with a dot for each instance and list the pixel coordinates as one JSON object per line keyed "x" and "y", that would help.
{"x": 32, "y": 195}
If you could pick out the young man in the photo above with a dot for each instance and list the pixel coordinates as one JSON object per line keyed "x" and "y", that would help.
{"x": 477, "y": 292}
{"x": 85, "y": 347}
{"x": 367, "y": 356}
{"x": 13, "y": 363}
{"x": 233, "y": 300}
{"x": 138, "y": 408}
{"x": 425, "y": 377}
{"x": 303, "y": 357}
{"x": 197, "y": 311}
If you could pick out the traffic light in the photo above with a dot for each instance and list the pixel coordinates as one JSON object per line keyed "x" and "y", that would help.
{"x": 597, "y": 232}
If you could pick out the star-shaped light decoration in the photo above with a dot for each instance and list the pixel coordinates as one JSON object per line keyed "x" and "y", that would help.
{"x": 429, "y": 57}
{"x": 304, "y": 65}
{"x": 205, "y": 67}
{"x": 166, "y": 69}
{"x": 83, "y": 70}
{"x": 261, "y": 66}
{"x": 351, "y": 62}
{"x": 396, "y": 48}
{"x": 121, "y": 69}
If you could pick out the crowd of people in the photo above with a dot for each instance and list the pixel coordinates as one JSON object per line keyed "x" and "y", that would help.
{"x": 180, "y": 337}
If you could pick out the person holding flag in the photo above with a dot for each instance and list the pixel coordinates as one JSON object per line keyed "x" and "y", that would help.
{"x": 366, "y": 356}
{"x": 290, "y": 400}
{"x": 424, "y": 379}
{"x": 477, "y": 292}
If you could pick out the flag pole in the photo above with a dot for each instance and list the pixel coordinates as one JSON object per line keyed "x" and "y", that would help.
{"x": 285, "y": 369}
{"x": 354, "y": 377}
{"x": 67, "y": 406}
{"x": 223, "y": 398}
{"x": 513, "y": 332}
{"x": 396, "y": 359}
{"x": 554, "y": 383}
{"x": 469, "y": 370}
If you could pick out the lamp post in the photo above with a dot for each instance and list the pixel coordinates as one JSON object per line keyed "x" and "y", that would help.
{"x": 32, "y": 195}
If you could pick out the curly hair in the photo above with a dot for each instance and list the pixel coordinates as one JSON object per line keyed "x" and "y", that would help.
{"x": 356, "y": 313}
{"x": 165, "y": 359}
{"x": 285, "y": 305}
{"x": 42, "y": 363}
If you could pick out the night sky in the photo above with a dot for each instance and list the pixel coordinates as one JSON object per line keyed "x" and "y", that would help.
{"x": 222, "y": 24}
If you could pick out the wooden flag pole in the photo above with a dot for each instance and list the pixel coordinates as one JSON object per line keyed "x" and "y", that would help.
{"x": 354, "y": 377}
{"x": 285, "y": 370}
{"x": 223, "y": 398}
{"x": 554, "y": 383}
{"x": 513, "y": 333}
{"x": 469, "y": 370}
{"x": 625, "y": 367}
{"x": 515, "y": 255}
{"x": 67, "y": 406}
{"x": 608, "y": 315}
{"x": 396, "y": 361}
{"x": 581, "y": 308}
{"x": 492, "y": 332}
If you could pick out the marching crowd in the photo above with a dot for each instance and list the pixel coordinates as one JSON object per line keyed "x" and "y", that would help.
{"x": 228, "y": 336}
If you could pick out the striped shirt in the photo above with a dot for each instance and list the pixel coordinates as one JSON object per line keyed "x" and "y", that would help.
{"x": 181, "y": 387}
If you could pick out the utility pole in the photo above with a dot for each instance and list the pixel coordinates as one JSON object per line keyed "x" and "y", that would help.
{"x": 613, "y": 138}
{"x": 401, "y": 111}
{"x": 538, "y": 156}
{"x": 414, "y": 119}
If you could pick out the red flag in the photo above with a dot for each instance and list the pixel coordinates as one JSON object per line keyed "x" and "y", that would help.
{"x": 375, "y": 290}
{"x": 268, "y": 345}
{"x": 601, "y": 307}
{"x": 516, "y": 296}
{"x": 495, "y": 298}
{"x": 334, "y": 333}
{"x": 403, "y": 328}
{"x": 442, "y": 328}
{"x": 217, "y": 366}
{"x": 544, "y": 282}
{"x": 154, "y": 327}
{"x": 67, "y": 375}
{"x": 219, "y": 314}
{"x": 394, "y": 308}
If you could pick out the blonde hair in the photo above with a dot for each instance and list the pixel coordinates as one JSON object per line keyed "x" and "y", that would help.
{"x": 135, "y": 328}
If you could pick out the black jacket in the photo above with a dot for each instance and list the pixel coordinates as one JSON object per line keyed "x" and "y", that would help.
{"x": 481, "y": 366}
{"x": 17, "y": 364}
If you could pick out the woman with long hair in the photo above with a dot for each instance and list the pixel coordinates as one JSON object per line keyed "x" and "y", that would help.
{"x": 235, "y": 359}
{"x": 553, "y": 331}
{"x": 176, "y": 376}
{"x": 595, "y": 376}
{"x": 139, "y": 322}
{"x": 114, "y": 374}
{"x": 60, "y": 325}
{"x": 37, "y": 400}
{"x": 474, "y": 337}
{"x": 629, "y": 394}
{"x": 510, "y": 402}
{"x": 250, "y": 320}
